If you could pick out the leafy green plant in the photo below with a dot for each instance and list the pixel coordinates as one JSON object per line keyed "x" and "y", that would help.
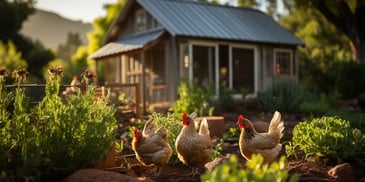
{"x": 356, "y": 119}
{"x": 5, "y": 138}
{"x": 327, "y": 137}
{"x": 232, "y": 134}
{"x": 283, "y": 95}
{"x": 15, "y": 125}
{"x": 314, "y": 107}
{"x": 56, "y": 135}
{"x": 225, "y": 98}
{"x": 173, "y": 126}
{"x": 255, "y": 171}
{"x": 192, "y": 99}
{"x": 74, "y": 133}
{"x": 217, "y": 149}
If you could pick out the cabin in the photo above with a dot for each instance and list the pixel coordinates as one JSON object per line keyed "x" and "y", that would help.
{"x": 155, "y": 44}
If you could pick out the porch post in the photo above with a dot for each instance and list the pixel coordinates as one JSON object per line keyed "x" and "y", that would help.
{"x": 96, "y": 73}
{"x": 143, "y": 83}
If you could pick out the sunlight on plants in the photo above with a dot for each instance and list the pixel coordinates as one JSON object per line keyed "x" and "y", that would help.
{"x": 255, "y": 171}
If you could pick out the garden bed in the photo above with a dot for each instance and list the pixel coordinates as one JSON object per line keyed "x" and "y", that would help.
{"x": 308, "y": 171}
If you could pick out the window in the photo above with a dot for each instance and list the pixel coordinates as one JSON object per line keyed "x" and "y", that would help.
{"x": 141, "y": 21}
{"x": 283, "y": 62}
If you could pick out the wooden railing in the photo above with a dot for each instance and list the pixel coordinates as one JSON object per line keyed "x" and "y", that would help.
{"x": 132, "y": 93}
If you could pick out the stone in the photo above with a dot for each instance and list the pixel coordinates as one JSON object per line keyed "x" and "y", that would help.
{"x": 216, "y": 162}
{"x": 342, "y": 173}
{"x": 216, "y": 125}
{"x": 97, "y": 175}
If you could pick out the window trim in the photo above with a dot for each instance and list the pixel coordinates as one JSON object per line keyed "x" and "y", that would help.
{"x": 291, "y": 62}
{"x": 140, "y": 12}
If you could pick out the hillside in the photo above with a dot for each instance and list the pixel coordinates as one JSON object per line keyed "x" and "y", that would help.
{"x": 51, "y": 29}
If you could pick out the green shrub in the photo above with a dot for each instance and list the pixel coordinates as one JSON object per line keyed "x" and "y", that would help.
{"x": 173, "y": 126}
{"x": 232, "y": 134}
{"x": 349, "y": 77}
{"x": 283, "y": 95}
{"x": 327, "y": 137}
{"x": 225, "y": 98}
{"x": 314, "y": 107}
{"x": 75, "y": 133}
{"x": 255, "y": 171}
{"x": 56, "y": 135}
{"x": 217, "y": 149}
{"x": 192, "y": 99}
{"x": 356, "y": 119}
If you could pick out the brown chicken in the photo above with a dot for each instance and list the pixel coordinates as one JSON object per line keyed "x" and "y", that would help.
{"x": 193, "y": 148}
{"x": 151, "y": 146}
{"x": 73, "y": 86}
{"x": 266, "y": 144}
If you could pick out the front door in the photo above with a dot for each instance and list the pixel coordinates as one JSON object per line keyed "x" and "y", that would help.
{"x": 243, "y": 69}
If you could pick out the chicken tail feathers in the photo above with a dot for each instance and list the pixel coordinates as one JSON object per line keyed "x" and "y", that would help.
{"x": 276, "y": 125}
{"x": 149, "y": 127}
{"x": 204, "y": 127}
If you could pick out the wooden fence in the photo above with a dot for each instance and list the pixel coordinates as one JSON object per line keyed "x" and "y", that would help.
{"x": 131, "y": 92}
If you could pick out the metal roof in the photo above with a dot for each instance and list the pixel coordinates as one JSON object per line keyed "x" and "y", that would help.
{"x": 207, "y": 20}
{"x": 130, "y": 43}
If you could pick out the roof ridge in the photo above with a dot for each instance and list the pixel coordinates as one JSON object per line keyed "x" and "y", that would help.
{"x": 219, "y": 5}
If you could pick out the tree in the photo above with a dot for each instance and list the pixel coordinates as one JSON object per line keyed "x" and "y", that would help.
{"x": 12, "y": 15}
{"x": 65, "y": 51}
{"x": 324, "y": 46}
{"x": 10, "y": 57}
{"x": 96, "y": 37}
{"x": 348, "y": 16}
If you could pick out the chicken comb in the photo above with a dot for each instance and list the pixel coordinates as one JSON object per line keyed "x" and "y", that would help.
{"x": 184, "y": 115}
{"x": 240, "y": 118}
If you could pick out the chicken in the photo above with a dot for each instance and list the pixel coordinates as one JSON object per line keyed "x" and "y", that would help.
{"x": 151, "y": 146}
{"x": 193, "y": 148}
{"x": 266, "y": 144}
{"x": 73, "y": 86}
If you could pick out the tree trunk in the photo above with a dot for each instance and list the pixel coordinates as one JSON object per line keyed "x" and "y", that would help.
{"x": 360, "y": 51}
{"x": 350, "y": 23}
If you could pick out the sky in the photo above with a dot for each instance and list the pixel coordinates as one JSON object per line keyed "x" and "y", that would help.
{"x": 84, "y": 10}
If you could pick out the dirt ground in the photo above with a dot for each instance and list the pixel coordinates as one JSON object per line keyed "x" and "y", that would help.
{"x": 308, "y": 171}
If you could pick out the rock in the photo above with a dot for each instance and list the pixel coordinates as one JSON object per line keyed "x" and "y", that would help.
{"x": 342, "y": 173}
{"x": 261, "y": 127}
{"x": 216, "y": 125}
{"x": 216, "y": 162}
{"x": 97, "y": 175}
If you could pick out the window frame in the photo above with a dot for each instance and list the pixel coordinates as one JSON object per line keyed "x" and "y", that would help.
{"x": 291, "y": 62}
{"x": 140, "y": 26}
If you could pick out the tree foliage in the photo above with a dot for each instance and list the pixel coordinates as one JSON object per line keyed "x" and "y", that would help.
{"x": 324, "y": 46}
{"x": 12, "y": 15}
{"x": 96, "y": 37}
{"x": 348, "y": 16}
{"x": 10, "y": 57}
{"x": 65, "y": 52}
